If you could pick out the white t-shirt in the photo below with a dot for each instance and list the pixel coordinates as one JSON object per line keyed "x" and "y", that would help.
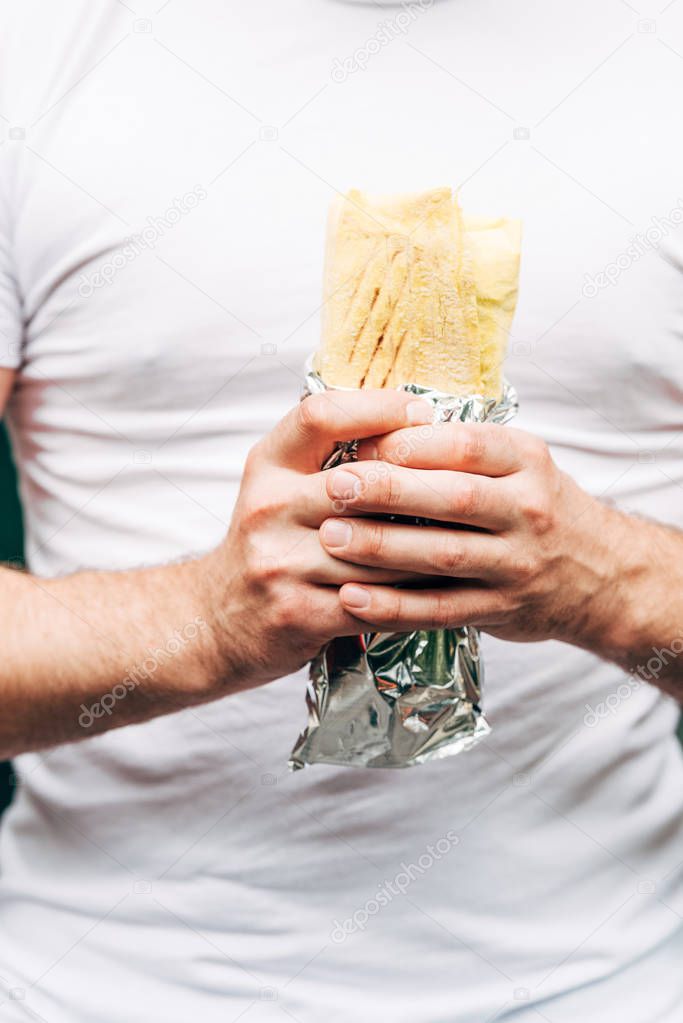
{"x": 165, "y": 179}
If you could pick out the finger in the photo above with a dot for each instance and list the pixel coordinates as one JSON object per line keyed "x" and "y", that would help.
{"x": 483, "y": 448}
{"x": 307, "y": 434}
{"x": 307, "y": 559}
{"x": 395, "y": 610}
{"x": 423, "y": 550}
{"x": 327, "y": 616}
{"x": 385, "y": 489}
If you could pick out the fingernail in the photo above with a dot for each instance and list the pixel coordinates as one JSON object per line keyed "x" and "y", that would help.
{"x": 356, "y": 597}
{"x": 419, "y": 412}
{"x": 336, "y": 533}
{"x": 344, "y": 485}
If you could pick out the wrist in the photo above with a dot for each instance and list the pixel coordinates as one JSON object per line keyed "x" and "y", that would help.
{"x": 610, "y": 617}
{"x": 210, "y": 668}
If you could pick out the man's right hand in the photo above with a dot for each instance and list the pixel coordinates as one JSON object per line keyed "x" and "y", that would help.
{"x": 272, "y": 587}
{"x": 95, "y": 650}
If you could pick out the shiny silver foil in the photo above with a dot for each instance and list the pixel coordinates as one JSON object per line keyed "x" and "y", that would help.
{"x": 389, "y": 699}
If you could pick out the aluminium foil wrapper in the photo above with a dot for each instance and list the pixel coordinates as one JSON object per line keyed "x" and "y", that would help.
{"x": 388, "y": 699}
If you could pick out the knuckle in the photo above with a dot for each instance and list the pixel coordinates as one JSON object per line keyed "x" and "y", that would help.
{"x": 466, "y": 499}
{"x": 449, "y": 557}
{"x": 472, "y": 445}
{"x": 384, "y": 404}
{"x": 254, "y": 510}
{"x": 376, "y": 402}
{"x": 253, "y": 460}
{"x": 372, "y": 541}
{"x": 538, "y": 512}
{"x": 263, "y": 499}
{"x": 390, "y": 610}
{"x": 439, "y": 617}
{"x": 397, "y": 608}
{"x": 382, "y": 486}
{"x": 525, "y": 568}
{"x": 249, "y": 509}
{"x": 542, "y": 456}
{"x": 536, "y": 451}
{"x": 287, "y": 608}
{"x": 392, "y": 489}
{"x": 262, "y": 567}
{"x": 509, "y": 604}
{"x": 313, "y": 413}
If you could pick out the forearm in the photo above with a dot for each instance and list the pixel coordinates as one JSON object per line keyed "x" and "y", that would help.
{"x": 97, "y": 650}
{"x": 636, "y": 619}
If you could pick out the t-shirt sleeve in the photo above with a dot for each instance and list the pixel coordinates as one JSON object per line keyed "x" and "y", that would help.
{"x": 10, "y": 303}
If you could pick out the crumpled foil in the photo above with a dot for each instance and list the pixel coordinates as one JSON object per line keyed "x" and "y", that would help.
{"x": 389, "y": 699}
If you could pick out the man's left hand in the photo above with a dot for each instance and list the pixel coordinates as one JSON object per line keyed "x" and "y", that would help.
{"x": 538, "y": 563}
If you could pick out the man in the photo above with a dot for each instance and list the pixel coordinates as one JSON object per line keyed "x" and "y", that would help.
{"x": 165, "y": 176}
